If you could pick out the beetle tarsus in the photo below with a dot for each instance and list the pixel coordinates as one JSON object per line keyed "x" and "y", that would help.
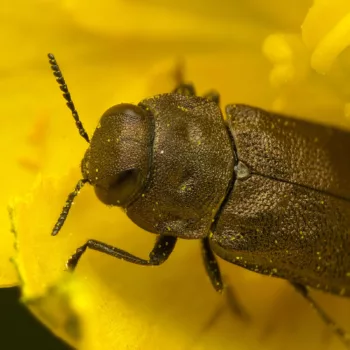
{"x": 340, "y": 332}
{"x": 234, "y": 304}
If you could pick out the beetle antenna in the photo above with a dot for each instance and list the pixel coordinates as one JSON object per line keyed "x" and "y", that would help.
{"x": 66, "y": 94}
{"x": 67, "y": 206}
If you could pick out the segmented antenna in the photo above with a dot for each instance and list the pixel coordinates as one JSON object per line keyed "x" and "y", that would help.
{"x": 67, "y": 206}
{"x": 63, "y": 86}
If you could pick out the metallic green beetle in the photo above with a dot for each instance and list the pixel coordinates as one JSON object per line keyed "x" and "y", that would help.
{"x": 266, "y": 192}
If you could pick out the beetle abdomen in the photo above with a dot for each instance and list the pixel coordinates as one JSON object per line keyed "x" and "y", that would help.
{"x": 287, "y": 231}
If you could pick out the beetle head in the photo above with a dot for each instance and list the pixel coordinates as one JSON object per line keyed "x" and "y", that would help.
{"x": 117, "y": 161}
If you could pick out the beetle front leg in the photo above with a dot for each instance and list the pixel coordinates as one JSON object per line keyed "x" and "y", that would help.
{"x": 161, "y": 251}
{"x": 213, "y": 271}
{"x": 343, "y": 335}
{"x": 189, "y": 90}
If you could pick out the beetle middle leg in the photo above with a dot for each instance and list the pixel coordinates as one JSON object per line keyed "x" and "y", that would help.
{"x": 161, "y": 251}
{"x": 213, "y": 271}
{"x": 342, "y": 334}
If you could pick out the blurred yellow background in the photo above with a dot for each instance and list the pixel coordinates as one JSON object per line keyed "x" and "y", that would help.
{"x": 289, "y": 56}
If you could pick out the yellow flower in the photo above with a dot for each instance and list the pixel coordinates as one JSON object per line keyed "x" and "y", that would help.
{"x": 290, "y": 57}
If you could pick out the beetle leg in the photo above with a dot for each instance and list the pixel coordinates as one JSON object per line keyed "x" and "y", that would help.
{"x": 213, "y": 271}
{"x": 342, "y": 334}
{"x": 185, "y": 89}
{"x": 189, "y": 90}
{"x": 161, "y": 251}
{"x": 213, "y": 96}
{"x": 211, "y": 266}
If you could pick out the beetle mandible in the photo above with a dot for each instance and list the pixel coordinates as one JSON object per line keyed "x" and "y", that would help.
{"x": 267, "y": 192}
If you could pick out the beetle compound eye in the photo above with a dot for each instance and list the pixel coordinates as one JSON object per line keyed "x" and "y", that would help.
{"x": 121, "y": 188}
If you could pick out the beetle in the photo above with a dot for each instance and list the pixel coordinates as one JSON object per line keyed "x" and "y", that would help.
{"x": 267, "y": 192}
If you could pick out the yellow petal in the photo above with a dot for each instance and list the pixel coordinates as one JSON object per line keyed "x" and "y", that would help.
{"x": 168, "y": 22}
{"x": 320, "y": 46}
{"x": 108, "y": 303}
{"x": 125, "y": 306}
{"x": 8, "y": 276}
{"x": 328, "y": 37}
